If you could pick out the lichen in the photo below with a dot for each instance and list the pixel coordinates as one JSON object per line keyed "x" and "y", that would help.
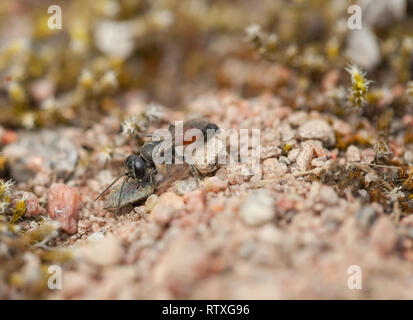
{"x": 359, "y": 85}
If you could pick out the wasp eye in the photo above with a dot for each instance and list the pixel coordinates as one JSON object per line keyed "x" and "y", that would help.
{"x": 139, "y": 168}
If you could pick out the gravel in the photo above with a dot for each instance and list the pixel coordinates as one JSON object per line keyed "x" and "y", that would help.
{"x": 284, "y": 232}
{"x": 258, "y": 208}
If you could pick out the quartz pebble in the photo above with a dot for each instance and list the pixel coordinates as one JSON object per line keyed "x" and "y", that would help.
{"x": 168, "y": 205}
{"x": 184, "y": 186}
{"x": 353, "y": 154}
{"x": 317, "y": 129}
{"x": 272, "y": 168}
{"x": 304, "y": 157}
{"x": 257, "y": 208}
{"x": 206, "y": 159}
{"x": 270, "y": 152}
{"x": 64, "y": 206}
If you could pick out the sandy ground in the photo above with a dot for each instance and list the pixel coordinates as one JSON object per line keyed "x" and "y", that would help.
{"x": 278, "y": 234}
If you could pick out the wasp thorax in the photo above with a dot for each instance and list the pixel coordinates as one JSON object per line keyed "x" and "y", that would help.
{"x": 148, "y": 150}
{"x": 212, "y": 126}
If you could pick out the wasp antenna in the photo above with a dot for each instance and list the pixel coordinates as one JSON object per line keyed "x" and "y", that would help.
{"x": 109, "y": 186}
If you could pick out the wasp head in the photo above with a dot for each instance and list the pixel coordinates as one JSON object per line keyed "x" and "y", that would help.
{"x": 136, "y": 166}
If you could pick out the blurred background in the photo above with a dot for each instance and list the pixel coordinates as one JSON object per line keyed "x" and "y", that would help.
{"x": 171, "y": 51}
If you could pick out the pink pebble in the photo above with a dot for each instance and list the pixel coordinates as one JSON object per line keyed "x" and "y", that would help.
{"x": 64, "y": 206}
{"x": 33, "y": 208}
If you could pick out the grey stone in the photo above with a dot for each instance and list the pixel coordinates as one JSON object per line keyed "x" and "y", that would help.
{"x": 363, "y": 48}
{"x": 43, "y": 151}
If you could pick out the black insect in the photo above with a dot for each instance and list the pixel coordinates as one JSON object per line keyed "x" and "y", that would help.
{"x": 140, "y": 167}
{"x": 207, "y": 129}
{"x": 202, "y": 124}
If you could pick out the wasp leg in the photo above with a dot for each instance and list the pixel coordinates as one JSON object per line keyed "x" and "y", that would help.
{"x": 120, "y": 196}
{"x": 152, "y": 184}
{"x": 195, "y": 173}
{"x": 151, "y": 174}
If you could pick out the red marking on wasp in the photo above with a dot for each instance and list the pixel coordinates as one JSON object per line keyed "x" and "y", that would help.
{"x": 186, "y": 142}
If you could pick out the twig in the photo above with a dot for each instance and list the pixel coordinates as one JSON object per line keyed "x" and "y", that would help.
{"x": 314, "y": 171}
{"x": 374, "y": 165}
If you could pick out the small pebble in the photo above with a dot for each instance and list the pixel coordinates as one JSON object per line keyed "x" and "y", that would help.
{"x": 214, "y": 184}
{"x": 293, "y": 154}
{"x": 370, "y": 177}
{"x": 235, "y": 173}
{"x": 328, "y": 195}
{"x": 64, "y": 206}
{"x": 353, "y": 154}
{"x": 169, "y": 204}
{"x": 257, "y": 208}
{"x": 272, "y": 168}
{"x": 384, "y": 235}
{"x": 317, "y": 129}
{"x": 206, "y": 159}
{"x": 408, "y": 157}
{"x": 304, "y": 157}
{"x": 33, "y": 208}
{"x": 341, "y": 127}
{"x": 285, "y": 203}
{"x": 270, "y": 152}
{"x": 184, "y": 186}
{"x": 368, "y": 156}
{"x": 151, "y": 202}
{"x": 284, "y": 160}
{"x": 9, "y": 137}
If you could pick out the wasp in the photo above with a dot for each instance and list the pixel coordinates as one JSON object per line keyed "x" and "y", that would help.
{"x": 141, "y": 167}
{"x": 205, "y": 129}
